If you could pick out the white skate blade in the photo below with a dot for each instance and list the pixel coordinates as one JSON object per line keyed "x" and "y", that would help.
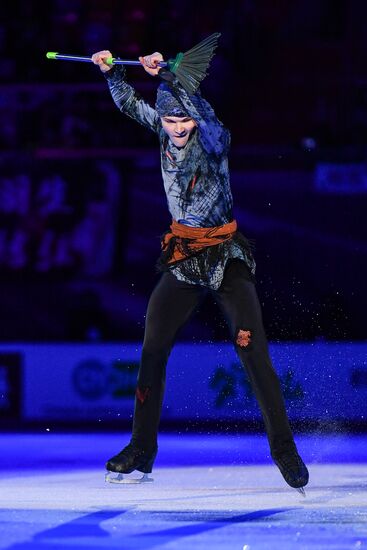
{"x": 113, "y": 477}
{"x": 302, "y": 491}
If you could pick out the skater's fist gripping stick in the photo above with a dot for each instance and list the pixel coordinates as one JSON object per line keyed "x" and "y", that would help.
{"x": 100, "y": 59}
{"x": 151, "y": 63}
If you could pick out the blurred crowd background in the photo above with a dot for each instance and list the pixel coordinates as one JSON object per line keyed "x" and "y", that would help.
{"x": 81, "y": 199}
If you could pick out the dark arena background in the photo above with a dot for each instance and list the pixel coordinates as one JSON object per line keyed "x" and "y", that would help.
{"x": 82, "y": 209}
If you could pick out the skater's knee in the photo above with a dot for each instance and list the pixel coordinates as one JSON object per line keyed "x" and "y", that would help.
{"x": 243, "y": 338}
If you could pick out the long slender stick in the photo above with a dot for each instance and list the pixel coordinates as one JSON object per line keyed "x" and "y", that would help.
{"x": 109, "y": 60}
{"x": 190, "y": 68}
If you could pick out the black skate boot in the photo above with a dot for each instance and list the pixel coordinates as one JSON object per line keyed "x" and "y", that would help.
{"x": 129, "y": 459}
{"x": 292, "y": 469}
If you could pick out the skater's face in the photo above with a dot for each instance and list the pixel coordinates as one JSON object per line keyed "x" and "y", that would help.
{"x": 178, "y": 129}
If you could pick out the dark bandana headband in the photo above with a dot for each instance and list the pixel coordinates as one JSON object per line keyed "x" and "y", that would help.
{"x": 166, "y": 103}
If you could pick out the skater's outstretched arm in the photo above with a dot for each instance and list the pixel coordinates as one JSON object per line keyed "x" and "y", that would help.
{"x": 125, "y": 97}
{"x": 214, "y": 137}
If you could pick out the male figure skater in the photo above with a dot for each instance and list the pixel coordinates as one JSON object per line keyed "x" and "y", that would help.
{"x": 202, "y": 252}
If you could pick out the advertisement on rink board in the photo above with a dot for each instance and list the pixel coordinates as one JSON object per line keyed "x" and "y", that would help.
{"x": 93, "y": 382}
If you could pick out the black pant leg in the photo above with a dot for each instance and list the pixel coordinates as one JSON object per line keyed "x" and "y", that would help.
{"x": 237, "y": 298}
{"x": 170, "y": 306}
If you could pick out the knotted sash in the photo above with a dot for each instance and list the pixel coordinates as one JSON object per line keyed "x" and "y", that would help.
{"x": 183, "y": 241}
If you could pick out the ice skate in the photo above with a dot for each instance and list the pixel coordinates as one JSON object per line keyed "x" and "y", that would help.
{"x": 130, "y": 459}
{"x": 113, "y": 477}
{"x": 293, "y": 470}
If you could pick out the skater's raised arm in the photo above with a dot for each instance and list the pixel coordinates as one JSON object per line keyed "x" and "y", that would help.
{"x": 125, "y": 97}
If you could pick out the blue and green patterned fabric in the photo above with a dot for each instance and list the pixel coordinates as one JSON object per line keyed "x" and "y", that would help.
{"x": 209, "y": 202}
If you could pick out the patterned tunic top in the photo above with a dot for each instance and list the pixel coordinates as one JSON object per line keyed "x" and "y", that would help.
{"x": 204, "y": 160}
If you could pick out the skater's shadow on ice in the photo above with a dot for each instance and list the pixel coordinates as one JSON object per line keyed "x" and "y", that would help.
{"x": 88, "y": 526}
{"x": 213, "y": 520}
{"x": 82, "y": 527}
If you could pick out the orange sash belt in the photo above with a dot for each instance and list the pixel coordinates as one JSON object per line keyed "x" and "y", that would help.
{"x": 193, "y": 239}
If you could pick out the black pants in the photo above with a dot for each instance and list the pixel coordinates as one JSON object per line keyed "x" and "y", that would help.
{"x": 170, "y": 306}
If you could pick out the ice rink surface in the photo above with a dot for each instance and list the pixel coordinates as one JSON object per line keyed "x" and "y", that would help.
{"x": 209, "y": 492}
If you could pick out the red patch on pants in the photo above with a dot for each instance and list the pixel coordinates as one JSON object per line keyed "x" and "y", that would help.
{"x": 243, "y": 338}
{"x": 141, "y": 395}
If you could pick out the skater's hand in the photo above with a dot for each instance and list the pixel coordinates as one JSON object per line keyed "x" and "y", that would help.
{"x": 150, "y": 63}
{"x": 99, "y": 58}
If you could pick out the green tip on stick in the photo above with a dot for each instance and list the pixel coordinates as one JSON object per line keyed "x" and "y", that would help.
{"x": 51, "y": 55}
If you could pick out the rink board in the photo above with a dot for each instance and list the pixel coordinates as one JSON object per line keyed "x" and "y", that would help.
{"x": 97, "y": 382}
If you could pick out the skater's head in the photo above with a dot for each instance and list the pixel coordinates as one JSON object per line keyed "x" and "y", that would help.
{"x": 178, "y": 129}
{"x": 177, "y": 124}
